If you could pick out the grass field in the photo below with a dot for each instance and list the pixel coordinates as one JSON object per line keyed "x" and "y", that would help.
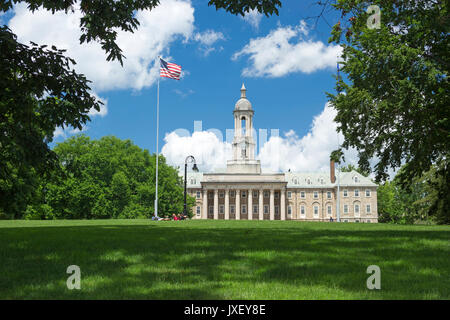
{"x": 141, "y": 259}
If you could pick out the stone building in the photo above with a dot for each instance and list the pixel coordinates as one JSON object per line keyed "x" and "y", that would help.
{"x": 244, "y": 192}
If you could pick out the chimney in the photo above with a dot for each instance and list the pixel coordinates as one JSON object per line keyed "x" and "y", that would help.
{"x": 332, "y": 173}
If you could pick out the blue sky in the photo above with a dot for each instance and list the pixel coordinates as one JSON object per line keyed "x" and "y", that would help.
{"x": 285, "y": 61}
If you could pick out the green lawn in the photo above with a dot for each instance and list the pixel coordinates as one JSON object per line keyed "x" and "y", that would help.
{"x": 141, "y": 259}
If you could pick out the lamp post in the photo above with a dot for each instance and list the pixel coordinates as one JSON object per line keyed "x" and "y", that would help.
{"x": 189, "y": 159}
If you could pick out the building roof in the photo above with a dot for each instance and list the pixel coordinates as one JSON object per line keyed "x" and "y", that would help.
{"x": 194, "y": 179}
{"x": 322, "y": 180}
{"x": 293, "y": 179}
{"x": 243, "y": 104}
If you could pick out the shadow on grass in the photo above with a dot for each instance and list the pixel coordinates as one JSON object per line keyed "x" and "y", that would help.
{"x": 215, "y": 261}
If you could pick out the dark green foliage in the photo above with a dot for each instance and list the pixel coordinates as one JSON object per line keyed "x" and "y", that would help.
{"x": 417, "y": 201}
{"x": 111, "y": 178}
{"x": 241, "y": 7}
{"x": 350, "y": 168}
{"x": 394, "y": 106}
{"x": 101, "y": 19}
{"x": 39, "y": 91}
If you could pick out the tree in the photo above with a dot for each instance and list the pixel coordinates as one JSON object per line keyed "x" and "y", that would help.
{"x": 102, "y": 18}
{"x": 350, "y": 168}
{"x": 393, "y": 107}
{"x": 402, "y": 204}
{"x": 111, "y": 178}
{"x": 390, "y": 208}
{"x": 40, "y": 91}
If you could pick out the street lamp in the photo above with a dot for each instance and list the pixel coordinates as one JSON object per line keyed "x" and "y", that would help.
{"x": 189, "y": 159}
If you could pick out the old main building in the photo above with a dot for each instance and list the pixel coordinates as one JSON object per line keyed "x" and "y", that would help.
{"x": 244, "y": 192}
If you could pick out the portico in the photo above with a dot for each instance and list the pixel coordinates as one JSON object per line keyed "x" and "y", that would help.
{"x": 244, "y": 197}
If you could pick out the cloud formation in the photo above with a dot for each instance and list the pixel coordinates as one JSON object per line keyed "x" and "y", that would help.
{"x": 158, "y": 28}
{"x": 286, "y": 50}
{"x": 253, "y": 17}
{"x": 279, "y": 154}
{"x": 207, "y": 39}
{"x": 210, "y": 153}
{"x": 308, "y": 153}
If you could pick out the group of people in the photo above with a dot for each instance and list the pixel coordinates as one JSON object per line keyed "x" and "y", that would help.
{"x": 179, "y": 217}
{"x": 175, "y": 217}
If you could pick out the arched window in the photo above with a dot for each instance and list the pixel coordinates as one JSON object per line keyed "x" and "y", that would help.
{"x": 308, "y": 180}
{"x": 243, "y": 123}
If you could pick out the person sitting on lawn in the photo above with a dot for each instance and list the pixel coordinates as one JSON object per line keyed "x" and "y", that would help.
{"x": 174, "y": 217}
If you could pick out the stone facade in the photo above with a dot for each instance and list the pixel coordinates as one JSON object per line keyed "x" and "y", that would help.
{"x": 243, "y": 192}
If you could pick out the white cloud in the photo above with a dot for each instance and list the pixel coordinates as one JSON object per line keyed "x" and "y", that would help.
{"x": 276, "y": 55}
{"x": 103, "y": 108}
{"x": 158, "y": 29}
{"x": 253, "y": 17}
{"x": 308, "y": 153}
{"x": 207, "y": 39}
{"x": 59, "y": 132}
{"x": 184, "y": 94}
{"x": 64, "y": 133}
{"x": 210, "y": 153}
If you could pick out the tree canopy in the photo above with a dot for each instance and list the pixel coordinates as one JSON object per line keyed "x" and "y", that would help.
{"x": 351, "y": 167}
{"x": 40, "y": 90}
{"x": 393, "y": 104}
{"x": 106, "y": 178}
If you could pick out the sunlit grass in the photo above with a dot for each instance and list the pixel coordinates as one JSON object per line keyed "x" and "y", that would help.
{"x": 141, "y": 259}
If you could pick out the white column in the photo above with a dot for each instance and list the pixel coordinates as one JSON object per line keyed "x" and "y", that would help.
{"x": 205, "y": 204}
{"x": 216, "y": 204}
{"x": 247, "y": 126}
{"x": 261, "y": 205}
{"x": 227, "y": 204}
{"x": 238, "y": 205}
{"x": 250, "y": 204}
{"x": 283, "y": 204}
{"x": 272, "y": 204}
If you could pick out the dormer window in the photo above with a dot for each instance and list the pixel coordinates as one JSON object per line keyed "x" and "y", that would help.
{"x": 295, "y": 181}
{"x": 308, "y": 181}
{"x": 321, "y": 181}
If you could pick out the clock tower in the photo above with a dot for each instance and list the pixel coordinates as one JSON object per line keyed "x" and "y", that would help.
{"x": 243, "y": 143}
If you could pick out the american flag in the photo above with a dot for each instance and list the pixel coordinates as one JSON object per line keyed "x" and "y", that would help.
{"x": 169, "y": 70}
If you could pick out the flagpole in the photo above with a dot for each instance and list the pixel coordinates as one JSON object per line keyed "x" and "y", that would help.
{"x": 157, "y": 146}
{"x": 338, "y": 209}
